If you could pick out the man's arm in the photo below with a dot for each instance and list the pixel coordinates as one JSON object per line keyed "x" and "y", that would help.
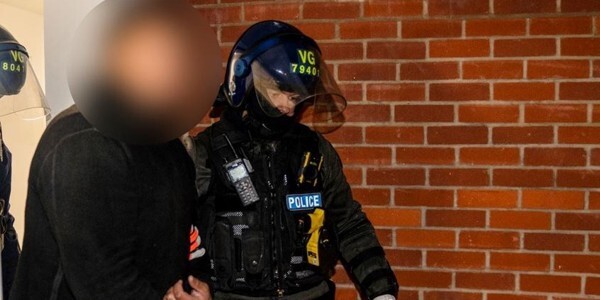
{"x": 93, "y": 214}
{"x": 361, "y": 252}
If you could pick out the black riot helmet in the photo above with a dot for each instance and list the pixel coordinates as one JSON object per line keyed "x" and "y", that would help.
{"x": 20, "y": 91}
{"x": 276, "y": 65}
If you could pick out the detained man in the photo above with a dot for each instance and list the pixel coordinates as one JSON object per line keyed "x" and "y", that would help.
{"x": 111, "y": 187}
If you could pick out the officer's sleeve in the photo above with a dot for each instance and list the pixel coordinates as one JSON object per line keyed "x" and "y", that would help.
{"x": 93, "y": 214}
{"x": 361, "y": 253}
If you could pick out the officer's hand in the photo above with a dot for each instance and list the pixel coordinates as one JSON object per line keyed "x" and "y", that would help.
{"x": 200, "y": 291}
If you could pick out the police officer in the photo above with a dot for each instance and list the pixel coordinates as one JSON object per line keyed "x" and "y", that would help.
{"x": 276, "y": 212}
{"x": 20, "y": 96}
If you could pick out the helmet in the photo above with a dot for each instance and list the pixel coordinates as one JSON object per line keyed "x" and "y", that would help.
{"x": 284, "y": 68}
{"x": 20, "y": 91}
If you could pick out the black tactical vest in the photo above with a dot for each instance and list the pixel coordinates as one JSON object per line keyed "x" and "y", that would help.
{"x": 261, "y": 249}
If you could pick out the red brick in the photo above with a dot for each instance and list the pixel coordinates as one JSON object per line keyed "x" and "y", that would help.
{"x": 523, "y": 135}
{"x": 594, "y": 242}
{"x": 497, "y": 69}
{"x": 431, "y": 28}
{"x": 578, "y": 221}
{"x": 519, "y": 261}
{"x": 367, "y": 113}
{"x": 424, "y": 113}
{"x": 280, "y": 11}
{"x": 596, "y": 113}
{"x": 318, "y": 31}
{"x": 454, "y": 8}
{"x": 427, "y": 156}
{"x": 515, "y": 297}
{"x": 361, "y": 30}
{"x": 523, "y": 177}
{"x": 578, "y": 178}
{"x": 352, "y": 92}
{"x": 577, "y": 263}
{"x": 385, "y": 236}
{"x": 525, "y": 47}
{"x": 524, "y": 6}
{"x": 385, "y": 8}
{"x": 343, "y": 293}
{"x": 341, "y": 51}
{"x": 331, "y": 10}
{"x": 490, "y": 156}
{"x": 550, "y": 283}
{"x": 450, "y": 295}
{"x": 459, "y": 91}
{"x": 405, "y": 295}
{"x": 353, "y": 175}
{"x": 561, "y": 25}
{"x": 520, "y": 219}
{"x": 346, "y": 135}
{"x": 371, "y": 196}
{"x": 554, "y": 241}
{"x": 595, "y": 157}
{"x": 424, "y": 197}
{"x": 367, "y": 71}
{"x": 580, "y": 6}
{"x": 552, "y": 199}
{"x": 487, "y": 281}
{"x": 592, "y": 286}
{"x": 220, "y": 15}
{"x": 525, "y": 91}
{"x": 488, "y": 113}
{"x": 424, "y": 279}
{"x": 457, "y": 135}
{"x": 579, "y": 135}
{"x": 404, "y": 258}
{"x": 579, "y": 91}
{"x": 456, "y": 259}
{"x": 428, "y": 70}
{"x": 365, "y": 155}
{"x": 580, "y": 46}
{"x": 341, "y": 276}
{"x": 495, "y": 27}
{"x": 425, "y": 238}
{"x": 394, "y": 135}
{"x": 489, "y": 240}
{"x": 393, "y": 217}
{"x": 396, "y": 92}
{"x": 458, "y": 177}
{"x": 596, "y": 66}
{"x": 459, "y": 48}
{"x": 487, "y": 198}
{"x": 396, "y": 50}
{"x": 555, "y": 156}
{"x": 541, "y": 69}
{"x": 455, "y": 218}
{"x": 231, "y": 34}
{"x": 555, "y": 113}
{"x": 595, "y": 201}
{"x": 395, "y": 176}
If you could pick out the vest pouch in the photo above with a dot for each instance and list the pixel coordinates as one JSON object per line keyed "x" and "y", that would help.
{"x": 328, "y": 257}
{"x": 253, "y": 252}
{"x": 223, "y": 252}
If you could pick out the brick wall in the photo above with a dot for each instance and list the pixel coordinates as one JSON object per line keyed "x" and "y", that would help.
{"x": 470, "y": 138}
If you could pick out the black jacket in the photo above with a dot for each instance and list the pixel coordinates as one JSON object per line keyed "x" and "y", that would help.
{"x": 104, "y": 220}
{"x": 270, "y": 238}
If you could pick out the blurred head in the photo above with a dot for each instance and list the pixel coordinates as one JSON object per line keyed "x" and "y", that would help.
{"x": 148, "y": 70}
{"x": 278, "y": 67}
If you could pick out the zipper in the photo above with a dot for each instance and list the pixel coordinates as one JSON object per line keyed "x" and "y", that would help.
{"x": 276, "y": 222}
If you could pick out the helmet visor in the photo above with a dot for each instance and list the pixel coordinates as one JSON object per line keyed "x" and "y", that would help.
{"x": 284, "y": 79}
{"x": 25, "y": 99}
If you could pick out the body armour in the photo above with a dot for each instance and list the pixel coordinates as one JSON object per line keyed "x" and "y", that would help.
{"x": 288, "y": 242}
